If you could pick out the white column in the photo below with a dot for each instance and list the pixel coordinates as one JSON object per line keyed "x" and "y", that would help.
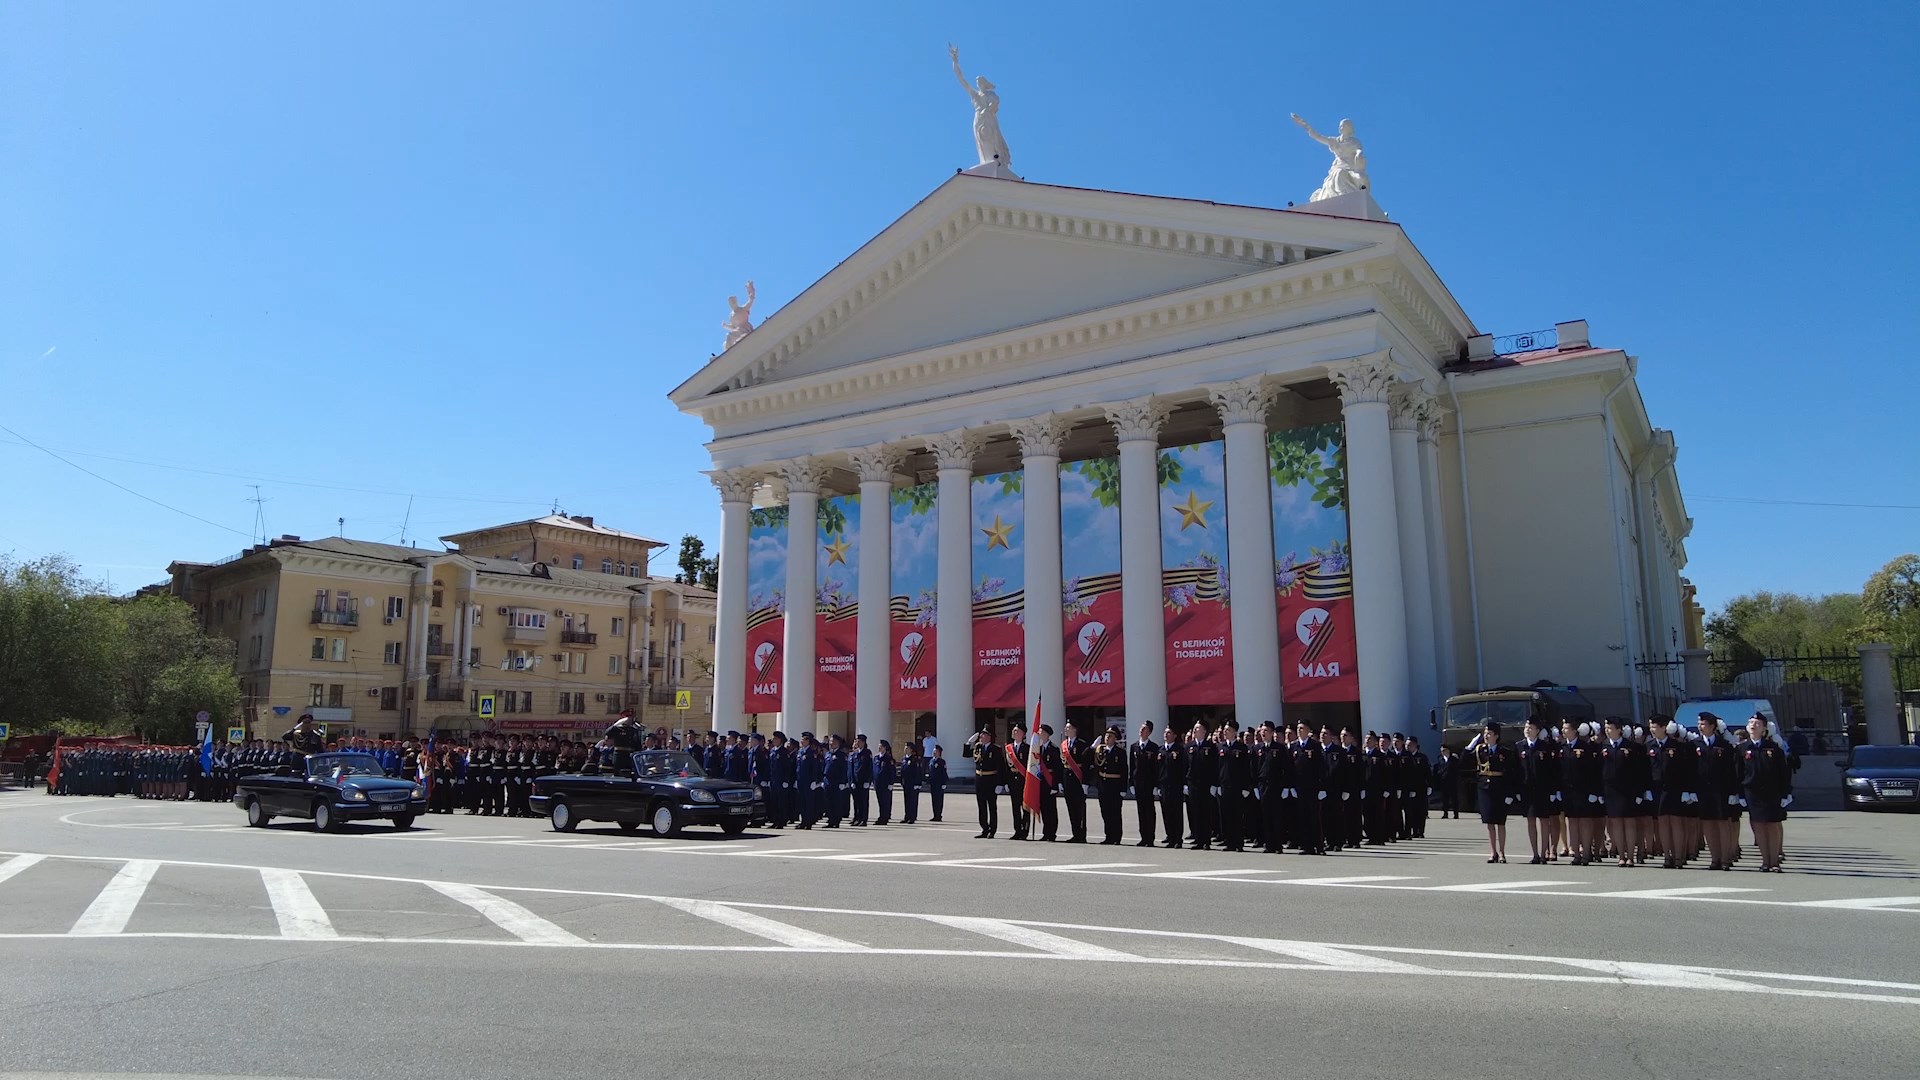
{"x": 1407, "y": 406}
{"x": 1254, "y": 617}
{"x": 730, "y": 636}
{"x": 953, "y": 605}
{"x": 1879, "y": 697}
{"x": 1143, "y": 632}
{"x": 1439, "y": 557}
{"x": 1380, "y": 616}
{"x": 803, "y": 525}
{"x": 872, "y": 711}
{"x": 1697, "y": 677}
{"x": 1040, "y": 438}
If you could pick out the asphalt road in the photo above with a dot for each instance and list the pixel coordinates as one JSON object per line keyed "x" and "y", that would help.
{"x": 168, "y": 939}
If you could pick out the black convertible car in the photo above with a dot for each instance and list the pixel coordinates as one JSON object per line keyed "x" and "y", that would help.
{"x": 1881, "y": 777}
{"x": 666, "y": 790}
{"x": 334, "y": 788}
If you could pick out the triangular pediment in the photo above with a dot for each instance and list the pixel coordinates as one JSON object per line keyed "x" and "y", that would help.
{"x": 981, "y": 256}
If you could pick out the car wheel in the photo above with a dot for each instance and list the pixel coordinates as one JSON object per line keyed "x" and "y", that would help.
{"x": 561, "y": 816}
{"x": 666, "y": 820}
{"x": 257, "y": 815}
{"x": 629, "y": 826}
{"x": 404, "y": 821}
{"x": 323, "y": 817}
{"x": 734, "y": 826}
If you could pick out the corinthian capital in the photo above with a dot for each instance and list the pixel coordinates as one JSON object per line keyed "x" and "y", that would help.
{"x": 1040, "y": 436}
{"x": 1363, "y": 379}
{"x": 878, "y": 462}
{"x": 803, "y": 475}
{"x": 1432, "y": 413}
{"x": 1138, "y": 420}
{"x": 1244, "y": 401}
{"x": 954, "y": 449}
{"x": 734, "y": 485}
{"x": 1407, "y": 405}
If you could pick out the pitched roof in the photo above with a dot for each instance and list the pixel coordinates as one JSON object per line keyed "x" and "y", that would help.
{"x": 559, "y": 521}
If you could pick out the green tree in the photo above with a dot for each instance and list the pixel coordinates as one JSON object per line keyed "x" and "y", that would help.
{"x": 1890, "y": 601}
{"x": 170, "y": 670}
{"x": 58, "y": 642}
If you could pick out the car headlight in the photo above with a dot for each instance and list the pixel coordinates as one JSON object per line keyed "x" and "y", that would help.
{"x": 353, "y": 795}
{"x": 701, "y": 795}
{"x": 419, "y": 792}
{"x": 1860, "y": 782}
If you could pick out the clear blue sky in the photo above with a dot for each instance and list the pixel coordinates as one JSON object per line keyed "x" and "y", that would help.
{"x": 357, "y": 252}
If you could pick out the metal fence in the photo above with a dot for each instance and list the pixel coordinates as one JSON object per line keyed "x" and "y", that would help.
{"x": 1809, "y": 691}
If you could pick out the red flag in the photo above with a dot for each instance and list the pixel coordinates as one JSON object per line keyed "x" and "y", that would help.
{"x": 1036, "y": 765}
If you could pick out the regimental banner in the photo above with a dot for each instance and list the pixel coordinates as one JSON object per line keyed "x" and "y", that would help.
{"x": 912, "y": 609}
{"x": 1312, "y": 572}
{"x": 766, "y": 607}
{"x": 999, "y": 591}
{"x": 836, "y": 603}
{"x": 1193, "y": 574}
{"x": 1090, "y": 576}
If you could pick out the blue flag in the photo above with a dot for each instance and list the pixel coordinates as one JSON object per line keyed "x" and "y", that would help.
{"x": 206, "y": 751}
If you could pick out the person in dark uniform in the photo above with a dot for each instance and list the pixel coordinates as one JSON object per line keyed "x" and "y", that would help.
{"x": 1495, "y": 769}
{"x": 1394, "y": 748}
{"x": 809, "y": 779}
{"x": 1333, "y": 780}
{"x": 1110, "y": 766}
{"x": 1536, "y": 789}
{"x": 1421, "y": 779}
{"x": 1015, "y": 758}
{"x": 913, "y": 774}
{"x": 1050, "y": 784}
{"x": 780, "y": 793}
{"x": 480, "y": 799}
{"x": 861, "y": 776}
{"x": 1624, "y": 787}
{"x": 1766, "y": 781}
{"x": 886, "y": 772}
{"x": 1375, "y": 777}
{"x": 1235, "y": 778}
{"x": 989, "y": 779}
{"x": 1307, "y": 778}
{"x": 1075, "y": 777}
{"x": 304, "y": 737}
{"x": 1143, "y": 782}
{"x": 839, "y": 773}
{"x": 1717, "y": 781}
{"x": 1273, "y": 783}
{"x": 937, "y": 780}
{"x": 1173, "y": 788}
{"x": 1675, "y": 765}
{"x": 1203, "y": 786}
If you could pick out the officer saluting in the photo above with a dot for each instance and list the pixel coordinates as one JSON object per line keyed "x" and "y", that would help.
{"x": 989, "y": 775}
{"x": 1110, "y": 765}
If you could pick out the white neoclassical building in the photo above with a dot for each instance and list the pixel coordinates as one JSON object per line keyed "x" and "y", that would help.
{"x": 1266, "y": 449}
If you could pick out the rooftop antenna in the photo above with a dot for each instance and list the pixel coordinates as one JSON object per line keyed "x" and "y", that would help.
{"x": 259, "y": 514}
{"x": 404, "y": 520}
{"x": 342, "y": 524}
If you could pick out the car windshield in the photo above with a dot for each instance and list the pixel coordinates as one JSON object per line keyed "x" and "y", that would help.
{"x": 1472, "y": 714}
{"x": 1886, "y": 757}
{"x": 662, "y": 764}
{"x": 336, "y": 765}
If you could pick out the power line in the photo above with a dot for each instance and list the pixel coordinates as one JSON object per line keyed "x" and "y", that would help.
{"x": 122, "y": 487}
{"x": 1800, "y": 502}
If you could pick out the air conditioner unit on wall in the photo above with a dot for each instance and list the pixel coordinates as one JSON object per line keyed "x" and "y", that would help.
{"x": 503, "y": 611}
{"x": 558, "y": 613}
{"x": 375, "y": 692}
{"x": 599, "y": 697}
{"x": 387, "y": 619}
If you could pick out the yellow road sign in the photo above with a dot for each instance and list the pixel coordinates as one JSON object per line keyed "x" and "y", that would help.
{"x": 486, "y": 706}
{"x": 683, "y": 699}
{"x": 6, "y": 732}
{"x": 236, "y": 734}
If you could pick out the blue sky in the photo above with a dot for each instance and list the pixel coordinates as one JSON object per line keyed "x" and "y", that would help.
{"x": 460, "y": 252}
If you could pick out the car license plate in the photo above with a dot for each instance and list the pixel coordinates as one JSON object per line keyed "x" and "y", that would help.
{"x": 739, "y": 809}
{"x": 394, "y": 808}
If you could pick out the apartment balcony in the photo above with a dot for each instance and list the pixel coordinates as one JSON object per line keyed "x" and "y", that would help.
{"x": 446, "y": 693}
{"x": 441, "y": 648}
{"x": 660, "y": 695}
{"x": 578, "y": 638}
{"x": 323, "y": 617}
{"x": 536, "y": 634}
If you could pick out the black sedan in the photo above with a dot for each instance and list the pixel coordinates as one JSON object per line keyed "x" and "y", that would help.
{"x": 1881, "y": 777}
{"x": 664, "y": 789}
{"x": 332, "y": 789}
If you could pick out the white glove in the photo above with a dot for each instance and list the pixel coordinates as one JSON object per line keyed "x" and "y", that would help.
{"x": 1363, "y": 793}
{"x": 1743, "y": 802}
{"x": 1430, "y": 792}
{"x": 1185, "y": 790}
{"x": 1636, "y": 800}
{"x": 1786, "y": 802}
{"x": 1649, "y": 796}
{"x": 1323, "y": 794}
{"x": 1509, "y": 800}
{"x": 1001, "y": 790}
{"x": 1156, "y": 793}
{"x": 1244, "y": 793}
{"x": 1594, "y": 798}
{"x": 1343, "y": 796}
{"x": 1733, "y": 800}
{"x": 845, "y": 787}
{"x": 816, "y": 785}
{"x": 1214, "y": 791}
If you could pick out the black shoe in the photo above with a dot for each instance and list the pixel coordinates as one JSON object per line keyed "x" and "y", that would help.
{"x": 983, "y": 835}
{"x": 936, "y": 820}
{"x": 1144, "y": 843}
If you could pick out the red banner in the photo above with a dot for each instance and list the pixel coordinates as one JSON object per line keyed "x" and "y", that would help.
{"x": 1096, "y": 674}
{"x": 914, "y": 649}
{"x": 1317, "y": 647}
{"x": 836, "y": 640}
{"x": 1199, "y": 653}
{"x": 766, "y": 660}
{"x": 999, "y": 659}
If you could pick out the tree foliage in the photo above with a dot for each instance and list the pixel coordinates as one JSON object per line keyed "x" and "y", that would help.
{"x": 919, "y": 498}
{"x": 74, "y": 658}
{"x": 695, "y": 567}
{"x": 1891, "y": 602}
{"x": 1315, "y": 456}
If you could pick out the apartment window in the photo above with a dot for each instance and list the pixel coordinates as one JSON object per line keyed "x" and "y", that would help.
{"x": 343, "y": 603}
{"x": 526, "y": 701}
{"x": 473, "y": 657}
{"x": 336, "y": 696}
{"x": 572, "y": 704}
{"x": 396, "y": 607}
{"x": 680, "y": 628}
{"x": 322, "y": 600}
{"x": 476, "y": 614}
{"x": 260, "y": 601}
{"x": 579, "y": 561}
{"x": 613, "y": 703}
{"x": 566, "y": 703}
{"x": 338, "y": 650}
{"x": 508, "y": 701}
{"x": 319, "y": 648}
{"x": 389, "y": 698}
{"x": 613, "y": 664}
{"x": 606, "y": 566}
{"x": 316, "y": 694}
{"x": 619, "y": 627}
{"x": 529, "y": 620}
{"x": 391, "y": 653}
{"x": 438, "y": 596}
{"x": 710, "y": 633}
{"x": 253, "y": 650}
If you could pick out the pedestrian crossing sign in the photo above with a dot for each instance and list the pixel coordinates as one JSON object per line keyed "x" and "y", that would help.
{"x": 236, "y": 734}
{"x": 6, "y": 731}
{"x": 486, "y": 706}
{"x": 683, "y": 699}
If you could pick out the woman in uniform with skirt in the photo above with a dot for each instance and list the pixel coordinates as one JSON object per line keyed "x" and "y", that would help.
{"x": 1580, "y": 791}
{"x": 1766, "y": 777}
{"x": 1495, "y": 771}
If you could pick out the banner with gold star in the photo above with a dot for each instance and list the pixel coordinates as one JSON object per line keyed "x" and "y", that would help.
{"x": 1193, "y": 561}
{"x": 999, "y": 591}
{"x": 836, "y": 603}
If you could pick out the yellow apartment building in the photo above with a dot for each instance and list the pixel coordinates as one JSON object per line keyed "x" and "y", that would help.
{"x": 552, "y": 623}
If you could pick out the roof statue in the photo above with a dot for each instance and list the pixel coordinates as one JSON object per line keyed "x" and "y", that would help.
{"x": 740, "y": 322}
{"x": 987, "y": 140}
{"x": 1348, "y": 173}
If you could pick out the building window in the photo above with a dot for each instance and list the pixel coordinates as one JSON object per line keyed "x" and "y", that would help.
{"x": 473, "y": 657}
{"x": 322, "y": 600}
{"x": 343, "y": 603}
{"x": 619, "y": 627}
{"x": 476, "y": 614}
{"x": 613, "y": 703}
{"x": 473, "y": 702}
{"x": 438, "y": 596}
{"x": 529, "y": 620}
{"x": 254, "y": 649}
{"x": 509, "y": 701}
{"x": 619, "y": 569}
{"x": 526, "y": 701}
{"x": 336, "y": 696}
{"x": 391, "y": 653}
{"x": 389, "y": 698}
{"x": 260, "y": 601}
{"x": 396, "y": 607}
{"x": 579, "y": 561}
{"x": 613, "y": 664}
{"x": 710, "y": 633}
{"x": 316, "y": 694}
{"x": 338, "y": 652}
{"x": 606, "y": 566}
{"x": 319, "y": 648}
{"x": 680, "y": 629}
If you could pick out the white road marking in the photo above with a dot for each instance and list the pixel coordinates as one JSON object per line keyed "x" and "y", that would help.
{"x": 109, "y": 912}
{"x": 874, "y": 856}
{"x": 1673, "y": 894}
{"x": 1502, "y": 886}
{"x": 1079, "y": 868}
{"x": 985, "y": 862}
{"x": 1045, "y": 942}
{"x": 761, "y": 926}
{"x": 1863, "y": 903}
{"x": 507, "y": 915}
{"x": 1366, "y": 881}
{"x": 1330, "y": 955}
{"x": 16, "y": 864}
{"x": 1684, "y": 978}
{"x": 299, "y": 914}
{"x": 1197, "y": 875}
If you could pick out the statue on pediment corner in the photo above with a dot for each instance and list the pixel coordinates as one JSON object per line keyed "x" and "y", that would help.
{"x": 740, "y": 322}
{"x": 1348, "y": 173}
{"x": 987, "y": 140}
